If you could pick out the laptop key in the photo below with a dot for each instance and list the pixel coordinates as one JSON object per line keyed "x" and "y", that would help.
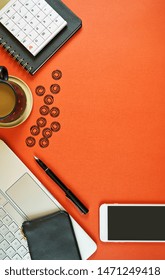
{"x": 2, "y": 213}
{"x": 1, "y": 237}
{"x": 7, "y": 258}
{"x": 19, "y": 234}
{"x": 22, "y": 251}
{"x": 2, "y": 254}
{"x": 13, "y": 227}
{"x": 13, "y": 213}
{"x": 10, "y": 252}
{"x": 9, "y": 237}
{"x": 16, "y": 257}
{"x": 4, "y": 245}
{"x": 2, "y": 200}
{"x": 3, "y": 229}
{"x": 16, "y": 244}
{"x": 7, "y": 220}
{"x": 27, "y": 257}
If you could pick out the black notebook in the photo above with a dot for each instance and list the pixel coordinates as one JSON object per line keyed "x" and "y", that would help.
{"x": 22, "y": 55}
{"x": 51, "y": 237}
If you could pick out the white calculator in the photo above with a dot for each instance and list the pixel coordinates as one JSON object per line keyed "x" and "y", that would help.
{"x": 33, "y": 22}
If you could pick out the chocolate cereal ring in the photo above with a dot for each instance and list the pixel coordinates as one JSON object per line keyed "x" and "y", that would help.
{"x": 41, "y": 122}
{"x": 30, "y": 141}
{"x": 56, "y": 74}
{"x": 54, "y": 112}
{"x": 47, "y": 132}
{"x": 44, "y": 110}
{"x": 55, "y": 126}
{"x": 55, "y": 88}
{"x": 44, "y": 142}
{"x": 35, "y": 130}
{"x": 40, "y": 90}
{"x": 48, "y": 99}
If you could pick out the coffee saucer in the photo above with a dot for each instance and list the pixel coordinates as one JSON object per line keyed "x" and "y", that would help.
{"x": 29, "y": 103}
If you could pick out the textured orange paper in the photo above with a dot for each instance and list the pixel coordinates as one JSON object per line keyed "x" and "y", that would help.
{"x": 112, "y": 113}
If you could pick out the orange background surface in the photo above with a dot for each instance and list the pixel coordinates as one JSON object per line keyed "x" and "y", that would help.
{"x": 110, "y": 148}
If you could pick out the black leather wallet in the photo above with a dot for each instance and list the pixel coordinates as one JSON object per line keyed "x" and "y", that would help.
{"x": 51, "y": 237}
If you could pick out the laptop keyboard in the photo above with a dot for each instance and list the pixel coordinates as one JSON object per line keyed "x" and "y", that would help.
{"x": 13, "y": 245}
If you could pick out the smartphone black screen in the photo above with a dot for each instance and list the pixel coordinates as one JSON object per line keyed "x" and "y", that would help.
{"x": 145, "y": 223}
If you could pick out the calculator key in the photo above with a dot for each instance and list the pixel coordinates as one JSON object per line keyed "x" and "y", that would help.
{"x": 33, "y": 35}
{"x": 4, "y": 245}
{"x": 47, "y": 21}
{"x": 40, "y": 16}
{"x": 9, "y": 24}
{"x": 22, "y": 11}
{"x": 21, "y": 35}
{"x": 59, "y": 20}
{"x": 32, "y": 47}
{"x": 35, "y": 10}
{"x": 26, "y": 41}
{"x": 21, "y": 23}
{"x": 52, "y": 15}
{"x": 39, "y": 28}
{"x": 52, "y": 27}
{"x": 34, "y": 22}
{"x": 29, "y": 4}
{"x": 16, "y": 18}
{"x": 41, "y": 4}
{"x": 17, "y": 5}
{"x": 9, "y": 12}
{"x": 4, "y": 18}
{"x": 27, "y": 29}
{"x": 2, "y": 200}
{"x": 45, "y": 34}
{"x": 15, "y": 29}
{"x": 10, "y": 252}
{"x": 47, "y": 9}
{"x": 28, "y": 16}
{"x": 38, "y": 41}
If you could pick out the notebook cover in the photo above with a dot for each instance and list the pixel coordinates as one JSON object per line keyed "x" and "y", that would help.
{"x": 22, "y": 55}
{"x": 51, "y": 237}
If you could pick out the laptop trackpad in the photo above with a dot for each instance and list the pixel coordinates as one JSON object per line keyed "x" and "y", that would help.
{"x": 31, "y": 198}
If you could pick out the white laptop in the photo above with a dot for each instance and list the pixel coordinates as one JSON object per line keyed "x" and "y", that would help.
{"x": 23, "y": 197}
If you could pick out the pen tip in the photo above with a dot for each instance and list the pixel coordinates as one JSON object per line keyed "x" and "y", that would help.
{"x": 36, "y": 158}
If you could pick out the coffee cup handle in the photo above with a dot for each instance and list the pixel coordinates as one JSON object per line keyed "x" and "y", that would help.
{"x": 3, "y": 73}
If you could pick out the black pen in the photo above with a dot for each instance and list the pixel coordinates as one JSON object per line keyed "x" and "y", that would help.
{"x": 68, "y": 192}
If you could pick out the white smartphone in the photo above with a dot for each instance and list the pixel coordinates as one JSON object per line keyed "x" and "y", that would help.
{"x": 132, "y": 222}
